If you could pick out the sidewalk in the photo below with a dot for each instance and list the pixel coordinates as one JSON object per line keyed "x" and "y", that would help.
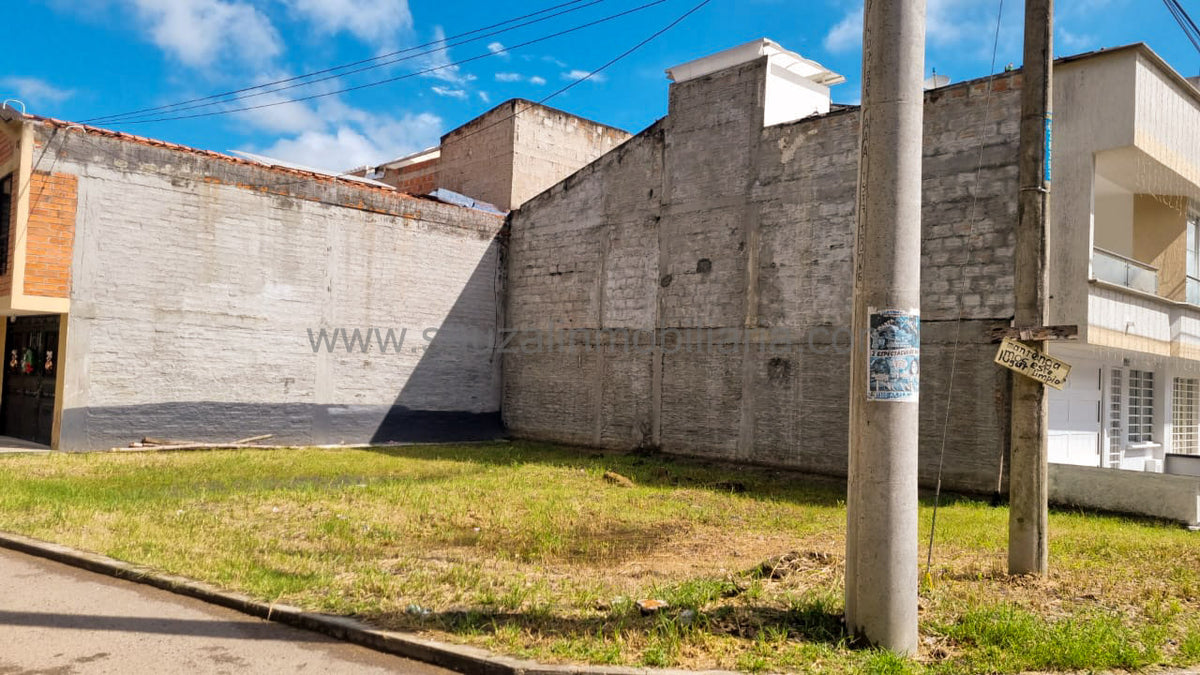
{"x": 55, "y": 618}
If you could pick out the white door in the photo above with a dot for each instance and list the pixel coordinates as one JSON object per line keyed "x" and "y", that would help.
{"x": 1074, "y": 434}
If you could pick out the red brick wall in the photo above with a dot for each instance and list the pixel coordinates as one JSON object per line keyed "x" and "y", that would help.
{"x": 51, "y": 235}
{"x": 414, "y": 179}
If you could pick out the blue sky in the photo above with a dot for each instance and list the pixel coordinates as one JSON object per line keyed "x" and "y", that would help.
{"x": 80, "y": 59}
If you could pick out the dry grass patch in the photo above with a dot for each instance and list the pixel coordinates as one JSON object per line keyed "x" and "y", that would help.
{"x": 528, "y": 549}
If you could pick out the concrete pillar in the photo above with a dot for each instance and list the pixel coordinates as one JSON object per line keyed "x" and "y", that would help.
{"x": 1028, "y": 484}
{"x": 881, "y": 543}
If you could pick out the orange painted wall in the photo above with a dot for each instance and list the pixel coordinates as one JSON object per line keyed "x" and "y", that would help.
{"x": 53, "y": 199}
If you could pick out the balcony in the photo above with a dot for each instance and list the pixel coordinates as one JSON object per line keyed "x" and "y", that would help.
{"x": 1117, "y": 269}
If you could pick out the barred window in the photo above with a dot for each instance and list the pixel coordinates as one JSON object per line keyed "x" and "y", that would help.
{"x": 1185, "y": 416}
{"x": 1141, "y": 406}
{"x": 1114, "y": 418}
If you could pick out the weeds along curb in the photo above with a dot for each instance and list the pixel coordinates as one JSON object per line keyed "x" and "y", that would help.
{"x": 471, "y": 660}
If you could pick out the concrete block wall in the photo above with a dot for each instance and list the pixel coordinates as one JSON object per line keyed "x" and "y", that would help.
{"x": 477, "y": 158}
{"x": 549, "y": 145}
{"x": 201, "y": 286}
{"x": 518, "y": 149}
{"x": 709, "y": 224}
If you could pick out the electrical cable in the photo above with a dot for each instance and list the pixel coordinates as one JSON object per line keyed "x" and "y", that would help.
{"x": 958, "y": 321}
{"x": 264, "y": 89}
{"x": 390, "y": 80}
{"x": 561, "y": 90}
{"x": 1185, "y": 22}
{"x": 569, "y": 86}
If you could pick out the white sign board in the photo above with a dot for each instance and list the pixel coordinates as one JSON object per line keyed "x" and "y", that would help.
{"x": 1032, "y": 363}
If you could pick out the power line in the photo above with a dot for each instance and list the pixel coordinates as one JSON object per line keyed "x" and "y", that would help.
{"x": 1185, "y": 22}
{"x": 377, "y": 61}
{"x": 987, "y": 104}
{"x": 602, "y": 68}
{"x": 389, "y": 80}
{"x": 611, "y": 62}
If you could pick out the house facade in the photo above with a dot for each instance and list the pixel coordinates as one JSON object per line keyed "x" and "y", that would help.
{"x": 1125, "y": 266}
{"x": 721, "y": 238}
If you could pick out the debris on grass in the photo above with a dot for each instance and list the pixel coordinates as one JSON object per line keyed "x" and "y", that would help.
{"x": 651, "y": 606}
{"x": 781, "y": 566}
{"x": 617, "y": 479}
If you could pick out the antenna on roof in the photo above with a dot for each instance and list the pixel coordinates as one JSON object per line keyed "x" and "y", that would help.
{"x": 936, "y": 81}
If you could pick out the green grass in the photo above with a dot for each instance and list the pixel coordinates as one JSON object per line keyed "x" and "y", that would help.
{"x": 525, "y": 549}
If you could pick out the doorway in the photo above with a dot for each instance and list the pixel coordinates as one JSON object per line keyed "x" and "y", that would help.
{"x": 31, "y": 361}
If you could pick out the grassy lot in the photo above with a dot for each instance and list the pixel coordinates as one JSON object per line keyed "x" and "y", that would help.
{"x": 526, "y": 549}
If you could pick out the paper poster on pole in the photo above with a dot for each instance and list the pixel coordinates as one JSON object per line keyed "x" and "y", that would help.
{"x": 894, "y": 355}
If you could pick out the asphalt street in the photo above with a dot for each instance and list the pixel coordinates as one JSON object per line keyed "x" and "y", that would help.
{"x": 59, "y": 620}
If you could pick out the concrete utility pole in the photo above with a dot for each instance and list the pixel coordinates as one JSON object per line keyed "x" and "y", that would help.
{"x": 881, "y": 537}
{"x": 1028, "y": 489}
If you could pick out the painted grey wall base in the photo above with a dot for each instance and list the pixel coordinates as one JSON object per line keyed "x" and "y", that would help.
{"x": 299, "y": 424}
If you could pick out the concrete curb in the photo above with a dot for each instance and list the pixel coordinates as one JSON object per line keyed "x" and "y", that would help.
{"x": 463, "y": 659}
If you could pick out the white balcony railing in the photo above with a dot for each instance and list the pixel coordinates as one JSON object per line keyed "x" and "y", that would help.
{"x": 1117, "y": 269}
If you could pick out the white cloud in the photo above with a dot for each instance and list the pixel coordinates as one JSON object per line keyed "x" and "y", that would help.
{"x": 286, "y": 118}
{"x": 498, "y": 49}
{"x": 199, "y": 33}
{"x": 532, "y": 79}
{"x": 577, "y": 74}
{"x": 558, "y": 62}
{"x": 357, "y": 139}
{"x": 32, "y": 91}
{"x": 483, "y": 96}
{"x": 460, "y": 94}
{"x": 378, "y": 22}
{"x": 846, "y": 34}
{"x": 1075, "y": 42}
{"x": 966, "y": 26}
{"x": 440, "y": 65}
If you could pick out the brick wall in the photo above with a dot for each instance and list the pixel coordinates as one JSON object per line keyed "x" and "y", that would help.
{"x": 709, "y": 223}
{"x": 197, "y": 279}
{"x": 50, "y": 235}
{"x": 414, "y": 179}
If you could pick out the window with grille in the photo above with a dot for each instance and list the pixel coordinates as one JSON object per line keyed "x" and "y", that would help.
{"x": 1141, "y": 406}
{"x": 6, "y": 188}
{"x": 1185, "y": 416}
{"x": 1115, "y": 384}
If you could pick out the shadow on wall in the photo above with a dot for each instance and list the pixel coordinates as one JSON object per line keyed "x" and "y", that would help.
{"x": 453, "y": 392}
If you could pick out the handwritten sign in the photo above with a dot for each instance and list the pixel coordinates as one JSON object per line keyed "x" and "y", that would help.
{"x": 1033, "y": 363}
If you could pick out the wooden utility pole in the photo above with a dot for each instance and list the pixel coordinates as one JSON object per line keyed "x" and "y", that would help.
{"x": 1028, "y": 487}
{"x": 881, "y": 539}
